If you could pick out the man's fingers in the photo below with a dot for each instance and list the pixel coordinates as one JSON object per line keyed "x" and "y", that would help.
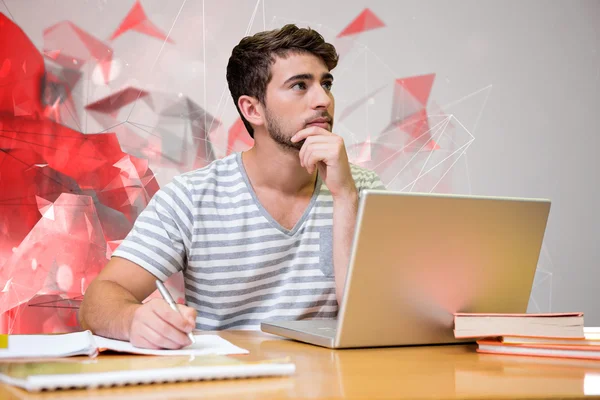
{"x": 315, "y": 156}
{"x": 142, "y": 342}
{"x": 168, "y": 331}
{"x": 314, "y": 140}
{"x": 324, "y": 149}
{"x": 189, "y": 314}
{"x": 310, "y": 131}
{"x": 161, "y": 336}
{"x": 166, "y": 313}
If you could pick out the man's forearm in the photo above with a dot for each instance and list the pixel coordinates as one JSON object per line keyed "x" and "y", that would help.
{"x": 108, "y": 309}
{"x": 344, "y": 221}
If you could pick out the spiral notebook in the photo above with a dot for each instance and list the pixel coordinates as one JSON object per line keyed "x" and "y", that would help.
{"x": 118, "y": 371}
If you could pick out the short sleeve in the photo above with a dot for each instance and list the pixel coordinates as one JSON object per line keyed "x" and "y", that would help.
{"x": 372, "y": 181}
{"x": 366, "y": 179}
{"x": 161, "y": 234}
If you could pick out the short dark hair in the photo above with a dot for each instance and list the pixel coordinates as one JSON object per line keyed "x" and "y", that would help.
{"x": 249, "y": 67}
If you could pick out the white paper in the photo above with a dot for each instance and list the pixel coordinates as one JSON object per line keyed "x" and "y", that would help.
{"x": 205, "y": 345}
{"x": 42, "y": 346}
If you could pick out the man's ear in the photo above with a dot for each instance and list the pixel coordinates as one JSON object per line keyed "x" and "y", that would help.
{"x": 252, "y": 110}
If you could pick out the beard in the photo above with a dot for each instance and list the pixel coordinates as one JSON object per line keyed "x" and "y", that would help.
{"x": 283, "y": 135}
{"x": 279, "y": 134}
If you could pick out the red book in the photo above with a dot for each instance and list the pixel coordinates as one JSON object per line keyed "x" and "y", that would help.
{"x": 496, "y": 346}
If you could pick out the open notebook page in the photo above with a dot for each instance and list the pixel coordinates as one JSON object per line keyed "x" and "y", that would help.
{"x": 205, "y": 344}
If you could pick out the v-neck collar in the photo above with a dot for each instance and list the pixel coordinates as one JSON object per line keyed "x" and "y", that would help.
{"x": 264, "y": 211}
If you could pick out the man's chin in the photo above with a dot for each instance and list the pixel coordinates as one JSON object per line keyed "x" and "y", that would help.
{"x": 294, "y": 147}
{"x": 289, "y": 145}
{"x": 297, "y": 145}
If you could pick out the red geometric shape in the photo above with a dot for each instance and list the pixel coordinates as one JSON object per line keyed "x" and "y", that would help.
{"x": 418, "y": 86}
{"x": 17, "y": 94}
{"x": 59, "y": 84}
{"x": 73, "y": 53}
{"x": 59, "y": 255}
{"x": 364, "y": 152}
{"x": 52, "y": 54}
{"x": 5, "y": 68}
{"x": 113, "y": 103}
{"x": 381, "y": 157}
{"x": 54, "y": 220}
{"x": 137, "y": 20}
{"x": 238, "y": 139}
{"x": 366, "y": 21}
{"x": 417, "y": 127}
{"x": 46, "y": 313}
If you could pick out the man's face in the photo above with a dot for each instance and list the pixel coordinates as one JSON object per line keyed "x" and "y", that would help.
{"x": 298, "y": 96}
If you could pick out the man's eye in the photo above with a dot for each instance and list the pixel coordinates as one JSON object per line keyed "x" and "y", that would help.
{"x": 327, "y": 85}
{"x": 299, "y": 86}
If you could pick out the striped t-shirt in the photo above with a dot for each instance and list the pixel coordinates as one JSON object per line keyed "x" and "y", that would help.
{"x": 240, "y": 266}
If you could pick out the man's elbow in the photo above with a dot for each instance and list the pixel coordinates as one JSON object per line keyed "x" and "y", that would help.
{"x": 86, "y": 307}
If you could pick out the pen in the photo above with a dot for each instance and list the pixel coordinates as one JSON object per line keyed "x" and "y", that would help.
{"x": 167, "y": 296}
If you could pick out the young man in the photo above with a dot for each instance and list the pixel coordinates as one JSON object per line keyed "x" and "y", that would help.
{"x": 263, "y": 234}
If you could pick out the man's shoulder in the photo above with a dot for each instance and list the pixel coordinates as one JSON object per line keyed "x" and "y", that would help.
{"x": 365, "y": 178}
{"x": 361, "y": 172}
{"x": 222, "y": 169}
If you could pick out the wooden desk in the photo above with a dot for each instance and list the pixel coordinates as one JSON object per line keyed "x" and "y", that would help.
{"x": 434, "y": 372}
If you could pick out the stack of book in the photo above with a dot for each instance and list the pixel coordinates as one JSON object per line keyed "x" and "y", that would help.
{"x": 547, "y": 335}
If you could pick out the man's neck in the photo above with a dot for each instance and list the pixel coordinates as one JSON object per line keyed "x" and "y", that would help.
{"x": 271, "y": 167}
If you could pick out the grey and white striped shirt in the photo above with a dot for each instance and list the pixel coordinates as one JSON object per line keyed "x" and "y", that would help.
{"x": 240, "y": 266}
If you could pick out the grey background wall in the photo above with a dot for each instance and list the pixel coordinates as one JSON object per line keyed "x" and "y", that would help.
{"x": 523, "y": 78}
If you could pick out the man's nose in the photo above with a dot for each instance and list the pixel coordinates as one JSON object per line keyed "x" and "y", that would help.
{"x": 321, "y": 98}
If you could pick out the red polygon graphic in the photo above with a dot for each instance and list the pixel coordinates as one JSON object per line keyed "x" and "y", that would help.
{"x": 160, "y": 142}
{"x": 361, "y": 152}
{"x": 71, "y": 46}
{"x": 418, "y": 130}
{"x": 63, "y": 252}
{"x": 418, "y": 86}
{"x": 380, "y": 157}
{"x": 137, "y": 20}
{"x": 21, "y": 67}
{"x": 58, "y": 95}
{"x": 112, "y": 104}
{"x": 63, "y": 194}
{"x": 366, "y": 21}
{"x": 48, "y": 313}
{"x": 40, "y": 159}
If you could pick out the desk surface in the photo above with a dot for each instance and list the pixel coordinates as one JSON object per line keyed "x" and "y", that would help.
{"x": 435, "y": 372}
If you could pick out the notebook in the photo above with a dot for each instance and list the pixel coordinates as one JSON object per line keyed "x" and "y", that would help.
{"x": 591, "y": 338}
{"x": 558, "y": 325}
{"x": 85, "y": 343}
{"x": 111, "y": 371}
{"x": 496, "y": 346}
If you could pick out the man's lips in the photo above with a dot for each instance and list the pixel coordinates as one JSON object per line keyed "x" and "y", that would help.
{"x": 320, "y": 122}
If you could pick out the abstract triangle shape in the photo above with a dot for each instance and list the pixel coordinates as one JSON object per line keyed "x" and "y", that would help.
{"x": 49, "y": 213}
{"x": 43, "y": 204}
{"x": 366, "y": 21}
{"x": 364, "y": 152}
{"x": 418, "y": 86}
{"x": 137, "y": 20}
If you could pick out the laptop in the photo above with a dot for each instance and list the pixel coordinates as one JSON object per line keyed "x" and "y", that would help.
{"x": 419, "y": 258}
